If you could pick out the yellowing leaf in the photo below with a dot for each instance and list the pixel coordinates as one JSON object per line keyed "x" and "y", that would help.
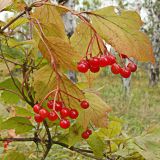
{"x": 96, "y": 113}
{"x": 45, "y": 81}
{"x": 4, "y": 4}
{"x": 123, "y": 33}
{"x": 61, "y": 51}
{"x": 50, "y": 21}
{"x": 82, "y": 37}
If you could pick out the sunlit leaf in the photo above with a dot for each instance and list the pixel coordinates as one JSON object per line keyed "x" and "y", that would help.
{"x": 122, "y": 32}
{"x": 23, "y": 112}
{"x": 14, "y": 155}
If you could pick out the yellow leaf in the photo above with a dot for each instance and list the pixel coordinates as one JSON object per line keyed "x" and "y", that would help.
{"x": 45, "y": 81}
{"x": 63, "y": 54}
{"x": 96, "y": 113}
{"x": 50, "y": 21}
{"x": 123, "y": 33}
{"x": 4, "y": 4}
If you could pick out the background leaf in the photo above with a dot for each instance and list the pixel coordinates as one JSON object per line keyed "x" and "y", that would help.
{"x": 20, "y": 124}
{"x": 13, "y": 155}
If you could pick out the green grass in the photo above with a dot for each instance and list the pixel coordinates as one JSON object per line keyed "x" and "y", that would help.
{"x": 140, "y": 109}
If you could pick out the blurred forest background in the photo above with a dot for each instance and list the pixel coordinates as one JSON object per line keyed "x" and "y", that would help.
{"x": 135, "y": 101}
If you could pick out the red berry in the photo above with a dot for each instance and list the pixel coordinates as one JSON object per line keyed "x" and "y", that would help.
{"x": 94, "y": 62}
{"x": 64, "y": 123}
{"x": 84, "y": 104}
{"x": 50, "y": 104}
{"x": 123, "y": 56}
{"x": 38, "y": 118}
{"x": 43, "y": 113}
{"x": 58, "y": 106}
{"x": 73, "y": 113}
{"x": 52, "y": 116}
{"x": 132, "y": 67}
{"x": 111, "y": 59}
{"x": 94, "y": 69}
{"x": 85, "y": 135}
{"x": 64, "y": 112}
{"x": 125, "y": 72}
{"x": 103, "y": 61}
{"x": 89, "y": 131}
{"x": 36, "y": 108}
{"x": 83, "y": 66}
{"x": 115, "y": 68}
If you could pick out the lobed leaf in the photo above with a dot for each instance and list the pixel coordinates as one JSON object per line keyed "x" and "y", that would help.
{"x": 122, "y": 32}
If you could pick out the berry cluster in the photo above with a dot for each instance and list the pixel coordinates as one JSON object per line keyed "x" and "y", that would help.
{"x": 95, "y": 63}
{"x": 57, "y": 110}
{"x": 86, "y": 134}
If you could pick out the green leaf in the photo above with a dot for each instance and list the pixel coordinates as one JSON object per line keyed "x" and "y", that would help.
{"x": 13, "y": 155}
{"x": 18, "y": 23}
{"x": 113, "y": 129}
{"x": 96, "y": 113}
{"x": 7, "y": 96}
{"x": 122, "y": 32}
{"x": 96, "y": 144}
{"x": 20, "y": 124}
{"x": 74, "y": 135}
{"x": 23, "y": 112}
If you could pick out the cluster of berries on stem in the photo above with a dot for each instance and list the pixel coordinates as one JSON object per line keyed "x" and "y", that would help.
{"x": 57, "y": 110}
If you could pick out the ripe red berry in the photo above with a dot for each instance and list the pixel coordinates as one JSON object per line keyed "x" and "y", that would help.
{"x": 115, "y": 68}
{"x": 64, "y": 112}
{"x": 50, "y": 104}
{"x": 36, "y": 108}
{"x": 94, "y": 62}
{"x": 58, "y": 106}
{"x": 132, "y": 67}
{"x": 84, "y": 104}
{"x": 103, "y": 61}
{"x": 38, "y": 118}
{"x": 94, "y": 69}
{"x": 73, "y": 113}
{"x": 125, "y": 72}
{"x": 52, "y": 116}
{"x": 83, "y": 66}
{"x": 111, "y": 59}
{"x": 43, "y": 113}
{"x": 89, "y": 131}
{"x": 64, "y": 123}
{"x": 85, "y": 135}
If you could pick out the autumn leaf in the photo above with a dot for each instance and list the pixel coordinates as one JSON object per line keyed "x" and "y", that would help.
{"x": 82, "y": 37}
{"x": 45, "y": 81}
{"x": 63, "y": 54}
{"x": 96, "y": 113}
{"x": 50, "y": 21}
{"x": 4, "y": 4}
{"x": 122, "y": 32}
